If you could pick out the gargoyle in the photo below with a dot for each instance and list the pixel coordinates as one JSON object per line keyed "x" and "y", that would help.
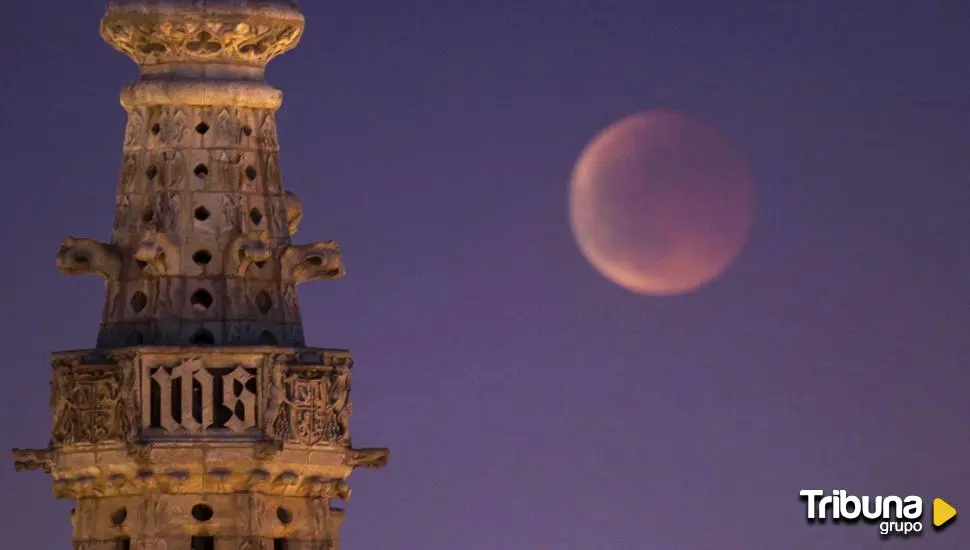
{"x": 83, "y": 256}
{"x": 246, "y": 250}
{"x": 366, "y": 458}
{"x": 157, "y": 254}
{"x": 294, "y": 212}
{"x": 310, "y": 262}
{"x": 33, "y": 459}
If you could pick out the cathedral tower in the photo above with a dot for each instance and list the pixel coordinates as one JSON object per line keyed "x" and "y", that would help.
{"x": 201, "y": 421}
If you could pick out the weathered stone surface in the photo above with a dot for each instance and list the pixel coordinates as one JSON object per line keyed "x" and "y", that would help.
{"x": 201, "y": 413}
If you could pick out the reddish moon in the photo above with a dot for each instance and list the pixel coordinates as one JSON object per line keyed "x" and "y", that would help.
{"x": 660, "y": 204}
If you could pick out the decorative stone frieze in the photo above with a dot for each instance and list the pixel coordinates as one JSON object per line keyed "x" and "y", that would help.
{"x": 159, "y": 33}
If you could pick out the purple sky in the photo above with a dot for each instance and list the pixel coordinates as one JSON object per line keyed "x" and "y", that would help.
{"x": 528, "y": 403}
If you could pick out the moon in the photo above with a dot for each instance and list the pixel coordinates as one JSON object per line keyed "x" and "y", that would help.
{"x": 660, "y": 204}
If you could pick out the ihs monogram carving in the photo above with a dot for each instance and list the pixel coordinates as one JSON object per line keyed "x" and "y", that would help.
{"x": 201, "y": 408}
{"x": 92, "y": 404}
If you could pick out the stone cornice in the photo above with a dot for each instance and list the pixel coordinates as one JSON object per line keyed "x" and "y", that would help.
{"x": 254, "y": 95}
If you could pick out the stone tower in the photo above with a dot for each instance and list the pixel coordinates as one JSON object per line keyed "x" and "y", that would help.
{"x": 201, "y": 421}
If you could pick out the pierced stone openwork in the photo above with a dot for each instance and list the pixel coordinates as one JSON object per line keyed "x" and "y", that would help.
{"x": 177, "y": 33}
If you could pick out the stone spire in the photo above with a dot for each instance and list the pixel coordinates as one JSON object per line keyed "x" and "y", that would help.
{"x": 201, "y": 421}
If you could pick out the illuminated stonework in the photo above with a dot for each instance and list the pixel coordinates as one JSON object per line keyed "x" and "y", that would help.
{"x": 202, "y": 420}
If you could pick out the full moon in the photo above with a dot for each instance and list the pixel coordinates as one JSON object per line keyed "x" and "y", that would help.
{"x": 660, "y": 204}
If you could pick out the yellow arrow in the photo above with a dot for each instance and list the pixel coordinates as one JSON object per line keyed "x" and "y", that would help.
{"x": 942, "y": 512}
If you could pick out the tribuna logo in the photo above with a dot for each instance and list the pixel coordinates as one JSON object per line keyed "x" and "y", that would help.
{"x": 895, "y": 515}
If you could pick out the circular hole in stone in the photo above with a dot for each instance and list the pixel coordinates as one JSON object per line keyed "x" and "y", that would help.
{"x": 147, "y": 216}
{"x": 201, "y": 171}
{"x": 202, "y": 512}
{"x": 156, "y": 129}
{"x": 259, "y": 264}
{"x": 202, "y": 128}
{"x": 251, "y": 173}
{"x": 266, "y": 338}
{"x": 138, "y": 301}
{"x": 202, "y": 257}
{"x": 201, "y": 299}
{"x": 247, "y": 131}
{"x": 256, "y": 215}
{"x": 315, "y": 261}
{"x": 284, "y": 515}
{"x": 263, "y": 302}
{"x": 120, "y": 515}
{"x": 151, "y": 172}
{"x": 202, "y": 337}
{"x": 201, "y": 213}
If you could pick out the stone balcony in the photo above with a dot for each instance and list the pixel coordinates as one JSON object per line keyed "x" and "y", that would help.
{"x": 259, "y": 419}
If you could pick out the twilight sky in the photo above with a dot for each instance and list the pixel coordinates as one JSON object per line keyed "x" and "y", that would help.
{"x": 528, "y": 403}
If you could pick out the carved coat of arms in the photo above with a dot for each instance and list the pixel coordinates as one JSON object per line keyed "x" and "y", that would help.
{"x": 309, "y": 413}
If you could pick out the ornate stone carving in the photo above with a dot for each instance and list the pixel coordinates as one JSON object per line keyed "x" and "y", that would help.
{"x": 267, "y": 134}
{"x": 366, "y": 458}
{"x": 294, "y": 212}
{"x": 274, "y": 419}
{"x": 314, "y": 406}
{"x": 238, "y": 34}
{"x": 230, "y": 213}
{"x": 310, "y": 262}
{"x": 246, "y": 250}
{"x": 177, "y": 129}
{"x": 173, "y": 163}
{"x": 89, "y": 406}
{"x": 228, "y": 133}
{"x": 230, "y": 170}
{"x": 135, "y": 130}
{"x": 129, "y": 171}
{"x": 82, "y": 256}
{"x": 33, "y": 459}
{"x": 200, "y": 411}
{"x": 157, "y": 254}
{"x": 127, "y": 361}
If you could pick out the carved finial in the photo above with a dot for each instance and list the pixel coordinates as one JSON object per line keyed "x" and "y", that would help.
{"x": 164, "y": 33}
{"x": 83, "y": 256}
